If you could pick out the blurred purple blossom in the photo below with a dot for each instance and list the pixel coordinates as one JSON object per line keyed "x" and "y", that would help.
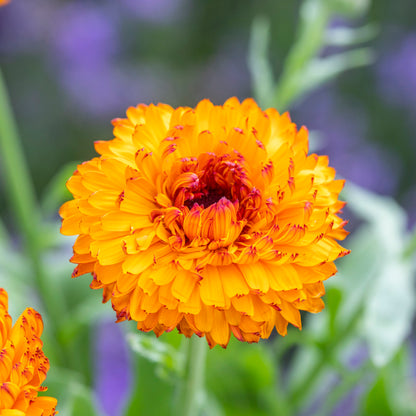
{"x": 85, "y": 31}
{"x": 155, "y": 10}
{"x": 84, "y": 48}
{"x": 113, "y": 376}
{"x": 23, "y": 25}
{"x": 344, "y": 140}
{"x": 396, "y": 72}
{"x": 91, "y": 69}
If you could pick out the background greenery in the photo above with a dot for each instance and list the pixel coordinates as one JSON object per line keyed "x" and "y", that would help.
{"x": 346, "y": 69}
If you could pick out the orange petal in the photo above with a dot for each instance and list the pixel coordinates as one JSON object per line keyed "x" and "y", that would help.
{"x": 243, "y": 304}
{"x": 255, "y": 277}
{"x": 183, "y": 285}
{"x": 211, "y": 289}
{"x": 221, "y": 330}
{"x": 193, "y": 304}
{"x": 8, "y": 394}
{"x": 204, "y": 321}
{"x": 233, "y": 281}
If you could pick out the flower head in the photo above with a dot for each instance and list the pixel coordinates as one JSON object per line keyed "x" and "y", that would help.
{"x": 4, "y": 2}
{"x": 23, "y": 366}
{"x": 212, "y": 220}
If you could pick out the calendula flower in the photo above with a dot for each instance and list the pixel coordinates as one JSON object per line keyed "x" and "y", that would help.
{"x": 23, "y": 366}
{"x": 212, "y": 220}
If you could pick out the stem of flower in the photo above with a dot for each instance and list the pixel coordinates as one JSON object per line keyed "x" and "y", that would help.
{"x": 23, "y": 202}
{"x": 17, "y": 176}
{"x": 191, "y": 392}
{"x": 302, "y": 391}
{"x": 349, "y": 381}
{"x": 314, "y": 16}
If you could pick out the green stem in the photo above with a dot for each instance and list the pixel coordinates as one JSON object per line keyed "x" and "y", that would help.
{"x": 302, "y": 391}
{"x": 349, "y": 381}
{"x": 23, "y": 203}
{"x": 283, "y": 406}
{"x": 314, "y": 16}
{"x": 258, "y": 64}
{"x": 192, "y": 388}
{"x": 17, "y": 176}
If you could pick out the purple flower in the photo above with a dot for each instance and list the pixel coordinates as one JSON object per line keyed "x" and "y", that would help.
{"x": 85, "y": 48}
{"x": 86, "y": 33}
{"x": 87, "y": 60}
{"x": 113, "y": 375}
{"x": 23, "y": 25}
{"x": 396, "y": 72}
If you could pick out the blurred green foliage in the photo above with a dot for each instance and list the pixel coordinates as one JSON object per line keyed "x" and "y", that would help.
{"x": 55, "y": 129}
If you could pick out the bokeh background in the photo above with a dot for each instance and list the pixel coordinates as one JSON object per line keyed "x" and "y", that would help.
{"x": 71, "y": 66}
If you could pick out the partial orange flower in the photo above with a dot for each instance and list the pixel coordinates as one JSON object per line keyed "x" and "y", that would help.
{"x": 212, "y": 220}
{"x": 23, "y": 366}
{"x": 4, "y": 2}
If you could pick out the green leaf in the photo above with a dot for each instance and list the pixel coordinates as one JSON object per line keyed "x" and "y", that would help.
{"x": 387, "y": 217}
{"x": 393, "y": 388}
{"x": 399, "y": 379}
{"x": 78, "y": 400}
{"x": 322, "y": 70}
{"x": 151, "y": 395}
{"x": 314, "y": 16}
{"x": 242, "y": 377}
{"x": 258, "y": 63}
{"x": 345, "y": 36}
{"x": 350, "y": 8}
{"x": 74, "y": 397}
{"x": 304, "y": 70}
{"x": 333, "y": 302}
{"x": 357, "y": 273}
{"x": 170, "y": 360}
{"x": 86, "y": 314}
{"x": 389, "y": 310}
{"x": 82, "y": 402}
{"x": 377, "y": 402}
{"x": 212, "y": 407}
{"x": 389, "y": 302}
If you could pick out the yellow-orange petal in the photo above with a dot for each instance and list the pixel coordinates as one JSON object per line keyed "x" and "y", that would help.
{"x": 213, "y": 219}
{"x": 211, "y": 288}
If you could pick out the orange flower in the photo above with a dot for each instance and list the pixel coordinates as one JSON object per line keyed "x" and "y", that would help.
{"x": 212, "y": 220}
{"x": 23, "y": 366}
{"x": 4, "y": 2}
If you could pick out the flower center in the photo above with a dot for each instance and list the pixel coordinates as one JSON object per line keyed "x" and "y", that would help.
{"x": 207, "y": 199}
{"x": 206, "y": 180}
{"x": 213, "y": 202}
